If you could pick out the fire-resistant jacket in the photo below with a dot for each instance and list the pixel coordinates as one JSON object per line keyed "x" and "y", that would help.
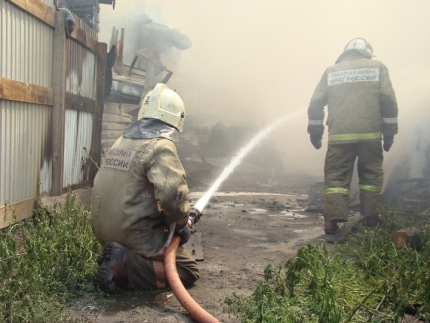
{"x": 361, "y": 101}
{"x": 139, "y": 190}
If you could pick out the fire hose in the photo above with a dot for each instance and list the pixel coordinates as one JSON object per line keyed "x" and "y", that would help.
{"x": 178, "y": 289}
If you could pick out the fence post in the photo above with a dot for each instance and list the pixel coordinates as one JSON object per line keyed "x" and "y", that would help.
{"x": 101, "y": 51}
{"x": 58, "y": 109}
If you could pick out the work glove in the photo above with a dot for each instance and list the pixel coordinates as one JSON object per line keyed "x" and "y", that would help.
{"x": 316, "y": 141}
{"x": 184, "y": 233}
{"x": 388, "y": 142}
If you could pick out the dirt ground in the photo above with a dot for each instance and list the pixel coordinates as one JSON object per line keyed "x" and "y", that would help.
{"x": 242, "y": 233}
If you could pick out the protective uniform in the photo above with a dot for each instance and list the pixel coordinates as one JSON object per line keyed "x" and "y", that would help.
{"x": 138, "y": 192}
{"x": 362, "y": 108}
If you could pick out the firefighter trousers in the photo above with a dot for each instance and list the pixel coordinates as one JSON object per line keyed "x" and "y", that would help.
{"x": 338, "y": 170}
{"x": 149, "y": 273}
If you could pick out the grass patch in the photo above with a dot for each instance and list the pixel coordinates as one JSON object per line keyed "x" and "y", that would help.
{"x": 364, "y": 280}
{"x": 45, "y": 263}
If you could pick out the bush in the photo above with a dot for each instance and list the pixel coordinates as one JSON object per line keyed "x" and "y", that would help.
{"x": 366, "y": 279}
{"x": 45, "y": 262}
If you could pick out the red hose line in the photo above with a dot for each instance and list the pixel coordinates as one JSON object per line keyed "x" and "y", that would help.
{"x": 187, "y": 302}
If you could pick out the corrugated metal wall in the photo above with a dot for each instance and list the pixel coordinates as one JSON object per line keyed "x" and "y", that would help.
{"x": 78, "y": 134}
{"x": 81, "y": 80}
{"x": 26, "y": 46}
{"x": 81, "y": 70}
{"x": 25, "y": 150}
{"x": 81, "y": 24}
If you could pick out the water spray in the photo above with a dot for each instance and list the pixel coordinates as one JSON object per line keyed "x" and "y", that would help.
{"x": 194, "y": 309}
{"x": 201, "y": 203}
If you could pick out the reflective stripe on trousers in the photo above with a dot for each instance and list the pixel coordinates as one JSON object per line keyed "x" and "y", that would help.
{"x": 336, "y": 190}
{"x": 371, "y": 188}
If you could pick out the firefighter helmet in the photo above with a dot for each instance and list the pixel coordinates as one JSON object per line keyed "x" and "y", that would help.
{"x": 359, "y": 43}
{"x": 164, "y": 104}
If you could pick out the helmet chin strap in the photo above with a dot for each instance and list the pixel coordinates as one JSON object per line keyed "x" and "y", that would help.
{"x": 171, "y": 231}
{"x": 151, "y": 128}
{"x": 358, "y": 52}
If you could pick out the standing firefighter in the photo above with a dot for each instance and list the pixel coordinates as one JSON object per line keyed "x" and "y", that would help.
{"x": 362, "y": 109}
{"x": 139, "y": 191}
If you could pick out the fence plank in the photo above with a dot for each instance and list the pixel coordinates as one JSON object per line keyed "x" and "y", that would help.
{"x": 79, "y": 35}
{"x": 38, "y": 9}
{"x": 24, "y": 92}
{"x": 16, "y": 212}
{"x": 80, "y": 103}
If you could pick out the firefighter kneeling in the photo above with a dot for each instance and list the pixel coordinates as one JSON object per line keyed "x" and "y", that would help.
{"x": 137, "y": 198}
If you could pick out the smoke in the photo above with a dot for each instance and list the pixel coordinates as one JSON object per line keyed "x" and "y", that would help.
{"x": 413, "y": 139}
{"x": 254, "y": 61}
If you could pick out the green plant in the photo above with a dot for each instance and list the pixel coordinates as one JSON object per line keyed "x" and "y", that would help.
{"x": 45, "y": 262}
{"x": 364, "y": 280}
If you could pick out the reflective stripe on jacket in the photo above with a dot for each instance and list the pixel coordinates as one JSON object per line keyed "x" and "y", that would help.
{"x": 361, "y": 102}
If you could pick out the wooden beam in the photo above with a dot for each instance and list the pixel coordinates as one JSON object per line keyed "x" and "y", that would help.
{"x": 24, "y": 92}
{"x": 121, "y": 50}
{"x": 409, "y": 236}
{"x": 79, "y": 35}
{"x": 110, "y": 117}
{"x": 58, "y": 110}
{"x": 96, "y": 147}
{"x": 80, "y": 103}
{"x": 38, "y": 9}
{"x": 112, "y": 37}
{"x": 127, "y": 108}
{"x": 132, "y": 64}
{"x": 16, "y": 212}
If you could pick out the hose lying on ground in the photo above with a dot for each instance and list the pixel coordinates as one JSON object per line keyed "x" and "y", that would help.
{"x": 187, "y": 302}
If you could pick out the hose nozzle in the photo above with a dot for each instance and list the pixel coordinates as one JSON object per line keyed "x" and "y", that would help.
{"x": 194, "y": 215}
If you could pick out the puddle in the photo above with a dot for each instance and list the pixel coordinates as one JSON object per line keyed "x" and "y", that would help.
{"x": 126, "y": 302}
{"x": 293, "y": 215}
{"x": 258, "y": 211}
{"x": 288, "y": 214}
{"x": 227, "y": 196}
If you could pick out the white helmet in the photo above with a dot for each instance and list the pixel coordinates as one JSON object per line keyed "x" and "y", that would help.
{"x": 164, "y": 104}
{"x": 359, "y": 43}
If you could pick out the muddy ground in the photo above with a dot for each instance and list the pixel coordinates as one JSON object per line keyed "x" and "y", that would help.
{"x": 248, "y": 225}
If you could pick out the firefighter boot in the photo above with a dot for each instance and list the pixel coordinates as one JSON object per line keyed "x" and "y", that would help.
{"x": 330, "y": 227}
{"x": 112, "y": 272}
{"x": 372, "y": 221}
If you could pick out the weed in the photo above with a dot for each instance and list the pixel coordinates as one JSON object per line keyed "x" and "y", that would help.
{"x": 364, "y": 280}
{"x": 45, "y": 262}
